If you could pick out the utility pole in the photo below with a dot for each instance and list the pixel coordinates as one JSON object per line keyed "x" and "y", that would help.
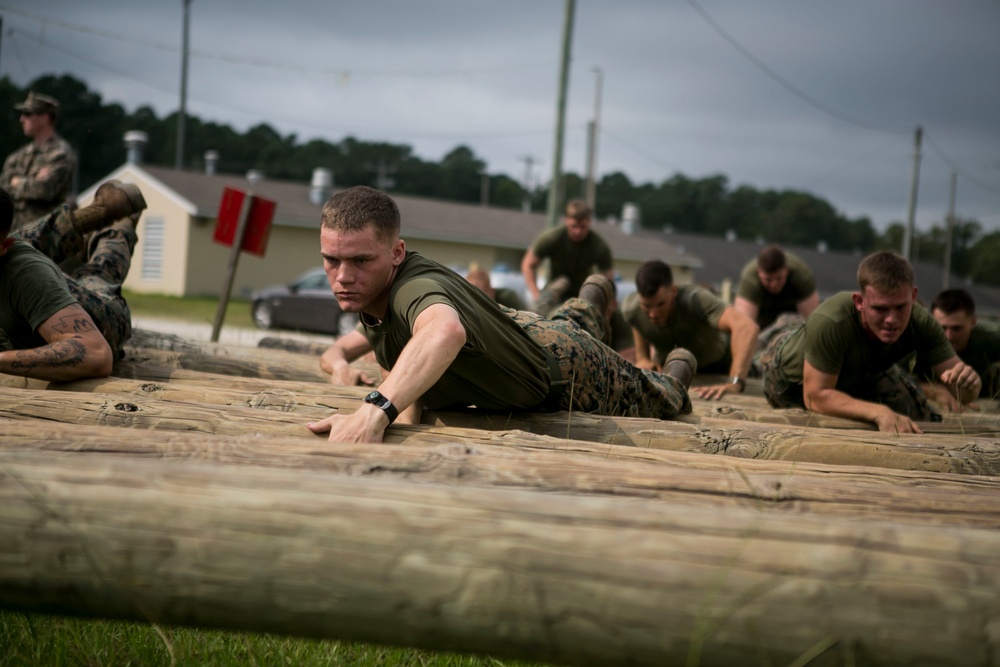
{"x": 908, "y": 236}
{"x": 950, "y": 230}
{"x": 556, "y": 187}
{"x": 594, "y": 132}
{"x": 528, "y": 177}
{"x": 179, "y": 158}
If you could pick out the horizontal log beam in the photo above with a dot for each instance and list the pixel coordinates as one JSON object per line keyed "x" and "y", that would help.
{"x": 548, "y": 465}
{"x": 568, "y": 580}
{"x": 937, "y": 453}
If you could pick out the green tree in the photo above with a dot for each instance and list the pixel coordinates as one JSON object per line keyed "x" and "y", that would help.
{"x": 984, "y": 267}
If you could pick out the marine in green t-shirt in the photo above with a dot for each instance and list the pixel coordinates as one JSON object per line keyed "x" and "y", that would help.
{"x": 574, "y": 252}
{"x": 441, "y": 342}
{"x": 976, "y": 343}
{"x": 842, "y": 362}
{"x": 773, "y": 283}
{"x": 60, "y": 327}
{"x": 664, "y": 316}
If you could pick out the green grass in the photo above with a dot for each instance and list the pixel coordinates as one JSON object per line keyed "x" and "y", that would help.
{"x": 189, "y": 309}
{"x": 53, "y": 641}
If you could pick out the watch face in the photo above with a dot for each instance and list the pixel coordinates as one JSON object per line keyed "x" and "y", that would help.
{"x": 372, "y": 397}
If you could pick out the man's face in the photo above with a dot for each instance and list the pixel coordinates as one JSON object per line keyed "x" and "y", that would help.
{"x": 660, "y": 306}
{"x": 577, "y": 228}
{"x": 360, "y": 267}
{"x": 957, "y": 327}
{"x": 885, "y": 315}
{"x": 773, "y": 282}
{"x": 31, "y": 123}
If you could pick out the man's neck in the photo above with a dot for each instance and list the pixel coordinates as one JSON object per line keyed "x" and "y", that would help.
{"x": 43, "y": 135}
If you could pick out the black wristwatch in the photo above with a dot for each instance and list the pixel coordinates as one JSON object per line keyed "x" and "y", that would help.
{"x": 738, "y": 381}
{"x": 380, "y": 401}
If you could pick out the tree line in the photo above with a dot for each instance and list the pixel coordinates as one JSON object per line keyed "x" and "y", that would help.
{"x": 707, "y": 205}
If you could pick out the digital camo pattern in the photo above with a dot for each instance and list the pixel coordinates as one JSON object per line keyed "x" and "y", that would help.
{"x": 96, "y": 283}
{"x": 48, "y": 173}
{"x": 596, "y": 378}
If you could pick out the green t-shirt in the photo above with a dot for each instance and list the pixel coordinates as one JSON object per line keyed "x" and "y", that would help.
{"x": 500, "y": 366}
{"x": 32, "y": 289}
{"x": 834, "y": 341}
{"x": 576, "y": 261}
{"x": 694, "y": 325}
{"x": 982, "y": 351}
{"x": 800, "y": 285}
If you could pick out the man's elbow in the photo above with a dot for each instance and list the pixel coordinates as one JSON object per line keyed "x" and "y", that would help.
{"x": 102, "y": 362}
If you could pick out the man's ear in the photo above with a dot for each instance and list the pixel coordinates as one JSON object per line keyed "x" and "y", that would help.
{"x": 398, "y": 252}
{"x": 859, "y": 300}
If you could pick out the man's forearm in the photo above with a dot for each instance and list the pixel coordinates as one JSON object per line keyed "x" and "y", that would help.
{"x": 63, "y": 360}
{"x": 742, "y": 342}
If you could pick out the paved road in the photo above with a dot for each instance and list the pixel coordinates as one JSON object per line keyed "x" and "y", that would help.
{"x": 231, "y": 335}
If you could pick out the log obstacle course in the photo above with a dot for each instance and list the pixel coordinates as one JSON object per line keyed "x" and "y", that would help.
{"x": 176, "y": 493}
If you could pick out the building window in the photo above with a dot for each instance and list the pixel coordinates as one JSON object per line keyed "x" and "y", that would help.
{"x": 152, "y": 249}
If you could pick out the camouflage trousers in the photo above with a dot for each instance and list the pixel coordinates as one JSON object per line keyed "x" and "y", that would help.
{"x": 894, "y": 387}
{"x": 96, "y": 283}
{"x": 595, "y": 378}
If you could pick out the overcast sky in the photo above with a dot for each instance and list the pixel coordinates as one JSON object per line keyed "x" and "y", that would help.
{"x": 816, "y": 96}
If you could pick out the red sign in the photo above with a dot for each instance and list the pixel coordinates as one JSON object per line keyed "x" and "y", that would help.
{"x": 258, "y": 225}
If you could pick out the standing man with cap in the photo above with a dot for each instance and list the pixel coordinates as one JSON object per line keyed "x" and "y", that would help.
{"x": 38, "y": 175}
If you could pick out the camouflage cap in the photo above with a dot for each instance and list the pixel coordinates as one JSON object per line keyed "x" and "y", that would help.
{"x": 38, "y": 103}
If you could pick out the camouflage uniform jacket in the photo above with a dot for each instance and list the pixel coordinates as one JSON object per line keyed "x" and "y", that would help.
{"x": 37, "y": 196}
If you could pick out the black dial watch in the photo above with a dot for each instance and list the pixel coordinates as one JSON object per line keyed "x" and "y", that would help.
{"x": 380, "y": 401}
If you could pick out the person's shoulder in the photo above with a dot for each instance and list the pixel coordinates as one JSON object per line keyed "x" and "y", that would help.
{"x": 56, "y": 145}
{"x": 796, "y": 264}
{"x": 838, "y": 307}
{"x": 749, "y": 271}
{"x": 630, "y": 307}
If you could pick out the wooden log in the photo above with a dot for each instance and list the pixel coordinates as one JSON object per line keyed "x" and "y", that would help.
{"x": 938, "y": 453}
{"x": 238, "y": 361}
{"x": 548, "y": 465}
{"x": 564, "y": 579}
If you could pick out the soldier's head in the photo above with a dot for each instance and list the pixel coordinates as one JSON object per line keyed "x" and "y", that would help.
{"x": 578, "y": 218}
{"x": 6, "y": 219}
{"x": 656, "y": 291}
{"x": 361, "y": 248}
{"x": 955, "y": 311}
{"x": 772, "y": 269}
{"x": 886, "y": 295}
{"x": 480, "y": 279}
{"x": 38, "y": 115}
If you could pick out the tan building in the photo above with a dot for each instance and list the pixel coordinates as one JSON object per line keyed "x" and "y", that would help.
{"x": 177, "y": 256}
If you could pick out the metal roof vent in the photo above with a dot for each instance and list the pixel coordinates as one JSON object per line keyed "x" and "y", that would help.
{"x": 321, "y": 186}
{"x": 211, "y": 162}
{"x": 135, "y": 145}
{"x": 630, "y": 218}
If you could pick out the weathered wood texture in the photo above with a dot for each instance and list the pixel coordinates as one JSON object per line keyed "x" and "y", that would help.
{"x": 570, "y": 580}
{"x": 278, "y": 412}
{"x": 550, "y": 465}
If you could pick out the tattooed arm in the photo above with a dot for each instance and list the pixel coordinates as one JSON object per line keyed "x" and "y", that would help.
{"x": 76, "y": 349}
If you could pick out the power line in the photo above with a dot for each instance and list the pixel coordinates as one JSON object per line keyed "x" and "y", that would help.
{"x": 655, "y": 159}
{"x": 958, "y": 168}
{"x": 787, "y": 85}
{"x": 265, "y": 63}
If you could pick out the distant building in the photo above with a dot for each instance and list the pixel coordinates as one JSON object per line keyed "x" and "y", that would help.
{"x": 177, "y": 256}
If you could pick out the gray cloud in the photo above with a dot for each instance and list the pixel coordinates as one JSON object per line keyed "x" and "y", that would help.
{"x": 677, "y": 95}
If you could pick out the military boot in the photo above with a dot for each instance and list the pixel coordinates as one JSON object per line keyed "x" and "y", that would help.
{"x": 681, "y": 365}
{"x": 600, "y": 292}
{"x": 113, "y": 201}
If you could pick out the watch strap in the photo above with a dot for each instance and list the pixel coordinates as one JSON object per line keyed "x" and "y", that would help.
{"x": 379, "y": 401}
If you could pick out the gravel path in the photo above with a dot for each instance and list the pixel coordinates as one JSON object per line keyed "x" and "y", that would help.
{"x": 231, "y": 335}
